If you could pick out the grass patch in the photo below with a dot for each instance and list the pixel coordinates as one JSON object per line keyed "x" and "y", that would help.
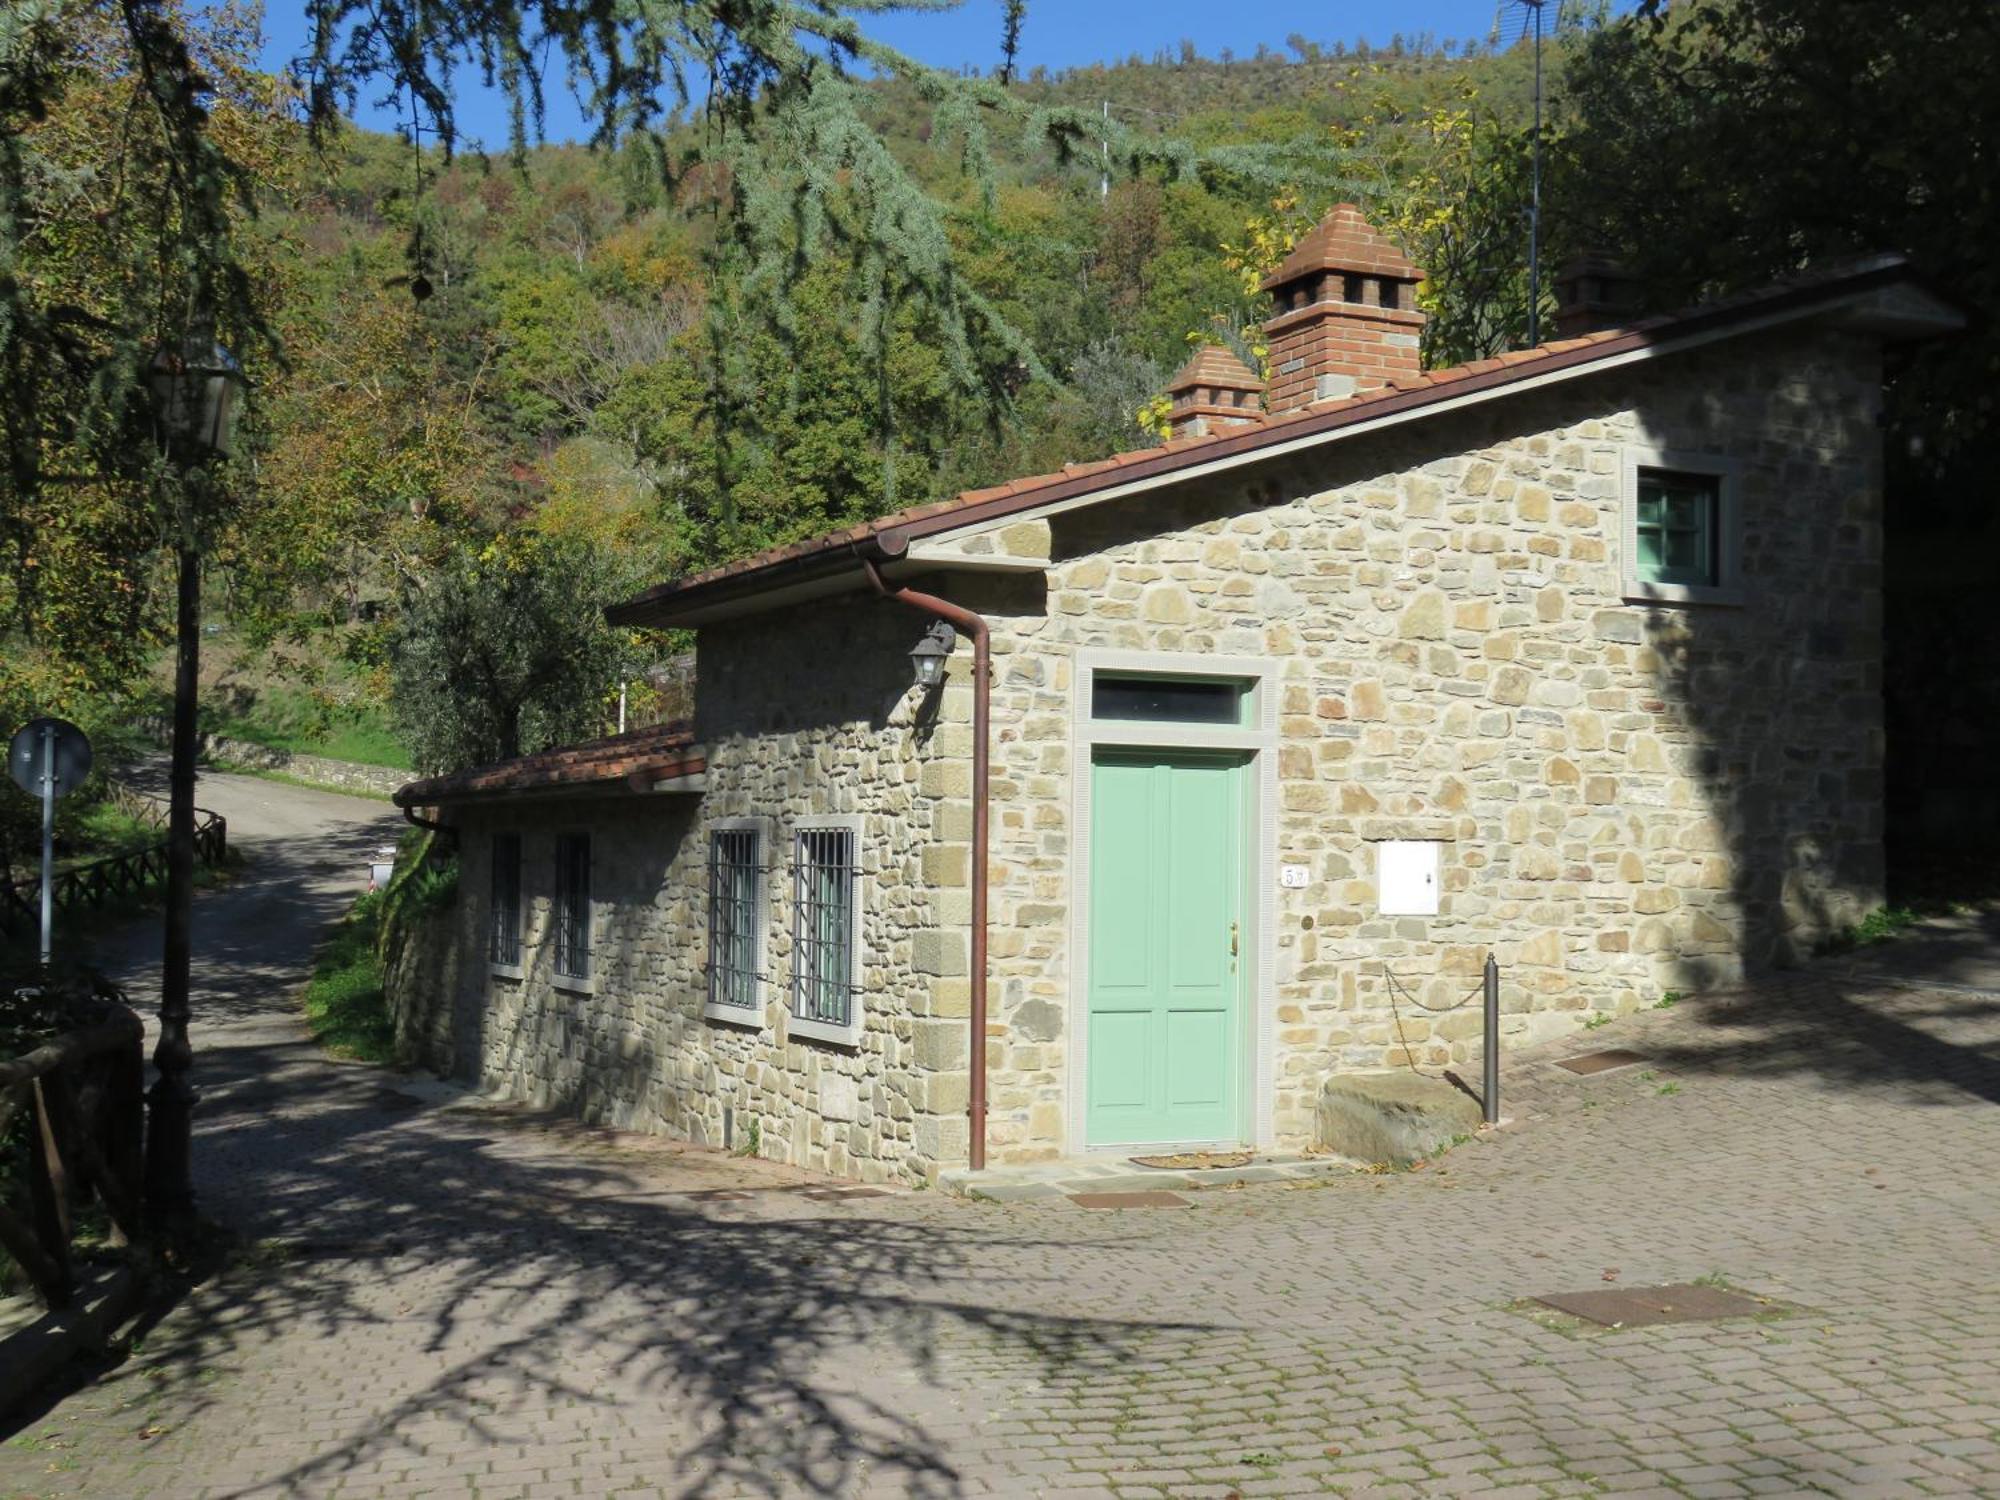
{"x": 346, "y": 1004}
{"x": 105, "y": 828}
{"x": 346, "y": 1010}
{"x": 302, "y": 722}
{"x": 1879, "y": 926}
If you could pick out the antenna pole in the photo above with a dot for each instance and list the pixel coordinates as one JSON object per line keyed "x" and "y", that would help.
{"x": 1535, "y": 198}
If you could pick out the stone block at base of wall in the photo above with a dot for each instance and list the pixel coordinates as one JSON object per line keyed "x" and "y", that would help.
{"x": 1392, "y": 1117}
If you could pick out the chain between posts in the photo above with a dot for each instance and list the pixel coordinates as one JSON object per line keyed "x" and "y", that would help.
{"x": 1488, "y": 990}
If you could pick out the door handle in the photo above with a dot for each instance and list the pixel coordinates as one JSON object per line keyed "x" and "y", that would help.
{"x": 1232, "y": 940}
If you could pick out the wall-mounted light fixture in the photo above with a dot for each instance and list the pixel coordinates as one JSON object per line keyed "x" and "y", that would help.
{"x": 928, "y": 656}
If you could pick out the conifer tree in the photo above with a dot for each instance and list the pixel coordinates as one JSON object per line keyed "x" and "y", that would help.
{"x": 759, "y": 105}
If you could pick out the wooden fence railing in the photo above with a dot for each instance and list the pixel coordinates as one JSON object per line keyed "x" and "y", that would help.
{"x": 105, "y": 880}
{"x": 80, "y": 1100}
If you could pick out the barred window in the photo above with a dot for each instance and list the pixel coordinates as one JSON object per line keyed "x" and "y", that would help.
{"x": 572, "y": 913}
{"x": 505, "y": 893}
{"x": 824, "y": 877}
{"x": 735, "y": 919}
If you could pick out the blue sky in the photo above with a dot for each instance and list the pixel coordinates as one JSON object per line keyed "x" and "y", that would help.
{"x": 1058, "y": 34}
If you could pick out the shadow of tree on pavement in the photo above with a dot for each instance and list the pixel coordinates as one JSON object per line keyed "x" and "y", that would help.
{"x": 543, "y": 1298}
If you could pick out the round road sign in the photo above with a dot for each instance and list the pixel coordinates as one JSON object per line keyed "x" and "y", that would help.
{"x": 72, "y": 756}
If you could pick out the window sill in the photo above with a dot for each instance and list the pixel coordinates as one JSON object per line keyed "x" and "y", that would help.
{"x": 574, "y": 984}
{"x": 506, "y": 971}
{"x": 1683, "y": 593}
{"x": 747, "y": 1017}
{"x": 796, "y": 1028}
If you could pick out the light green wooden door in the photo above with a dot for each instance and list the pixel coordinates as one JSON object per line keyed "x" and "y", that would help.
{"x": 1164, "y": 1046}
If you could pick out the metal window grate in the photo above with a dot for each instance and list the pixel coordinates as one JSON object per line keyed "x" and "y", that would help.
{"x": 735, "y": 877}
{"x": 824, "y": 878}
{"x": 506, "y": 896}
{"x": 573, "y": 905}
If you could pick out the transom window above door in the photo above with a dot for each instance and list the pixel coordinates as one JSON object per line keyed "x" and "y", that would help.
{"x": 1169, "y": 700}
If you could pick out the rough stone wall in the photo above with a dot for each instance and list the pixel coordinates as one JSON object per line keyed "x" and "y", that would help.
{"x": 801, "y": 714}
{"x": 426, "y": 966}
{"x": 319, "y": 770}
{"x": 1631, "y": 797}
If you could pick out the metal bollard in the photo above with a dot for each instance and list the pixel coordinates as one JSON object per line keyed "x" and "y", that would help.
{"x": 1490, "y": 1093}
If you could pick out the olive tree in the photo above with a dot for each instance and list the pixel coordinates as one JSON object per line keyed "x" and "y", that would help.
{"x": 504, "y": 651}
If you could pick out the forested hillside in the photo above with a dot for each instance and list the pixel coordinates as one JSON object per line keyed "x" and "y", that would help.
{"x": 493, "y": 365}
{"x": 480, "y": 346}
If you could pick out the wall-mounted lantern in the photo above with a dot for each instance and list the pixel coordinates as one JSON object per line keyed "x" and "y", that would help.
{"x": 928, "y": 656}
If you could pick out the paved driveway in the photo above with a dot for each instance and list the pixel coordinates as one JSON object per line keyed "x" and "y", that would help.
{"x": 459, "y": 1303}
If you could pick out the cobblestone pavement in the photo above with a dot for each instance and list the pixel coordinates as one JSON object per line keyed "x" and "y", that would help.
{"x": 455, "y": 1302}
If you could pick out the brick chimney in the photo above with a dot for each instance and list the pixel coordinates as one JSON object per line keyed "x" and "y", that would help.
{"x": 1214, "y": 390}
{"x": 1347, "y": 318}
{"x": 1594, "y": 291}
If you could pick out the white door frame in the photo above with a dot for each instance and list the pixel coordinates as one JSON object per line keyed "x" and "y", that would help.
{"x": 1259, "y": 741}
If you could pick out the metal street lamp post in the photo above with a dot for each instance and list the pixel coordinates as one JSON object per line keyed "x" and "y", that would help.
{"x": 197, "y": 393}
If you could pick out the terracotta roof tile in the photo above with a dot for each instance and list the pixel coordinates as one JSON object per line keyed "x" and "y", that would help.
{"x": 658, "y": 749}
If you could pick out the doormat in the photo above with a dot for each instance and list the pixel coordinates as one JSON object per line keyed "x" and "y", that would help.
{"x": 1643, "y": 1306}
{"x": 1602, "y": 1062}
{"x": 1195, "y": 1161}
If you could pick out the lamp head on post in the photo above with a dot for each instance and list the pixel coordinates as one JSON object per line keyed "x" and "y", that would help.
{"x": 197, "y": 395}
{"x": 928, "y": 656}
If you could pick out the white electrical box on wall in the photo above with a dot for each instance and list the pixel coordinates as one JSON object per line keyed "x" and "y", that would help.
{"x": 1406, "y": 877}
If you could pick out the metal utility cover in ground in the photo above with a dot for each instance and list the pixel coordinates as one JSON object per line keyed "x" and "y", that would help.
{"x": 1602, "y": 1062}
{"x": 1150, "y": 1199}
{"x": 1639, "y": 1306}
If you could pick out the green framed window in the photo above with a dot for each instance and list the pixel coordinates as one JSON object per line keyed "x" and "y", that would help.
{"x": 1677, "y": 528}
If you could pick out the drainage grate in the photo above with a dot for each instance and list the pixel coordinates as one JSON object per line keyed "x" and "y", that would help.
{"x": 1602, "y": 1062}
{"x": 1639, "y": 1306}
{"x": 1153, "y": 1198}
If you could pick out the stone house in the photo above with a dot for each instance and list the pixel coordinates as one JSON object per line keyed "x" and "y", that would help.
{"x": 1126, "y": 806}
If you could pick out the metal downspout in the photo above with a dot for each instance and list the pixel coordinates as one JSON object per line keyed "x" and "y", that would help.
{"x": 973, "y": 625}
{"x": 410, "y": 816}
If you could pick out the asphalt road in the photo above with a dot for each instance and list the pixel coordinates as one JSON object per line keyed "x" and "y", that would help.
{"x": 305, "y": 858}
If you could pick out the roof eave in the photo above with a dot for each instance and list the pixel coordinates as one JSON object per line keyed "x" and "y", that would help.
{"x": 684, "y": 774}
